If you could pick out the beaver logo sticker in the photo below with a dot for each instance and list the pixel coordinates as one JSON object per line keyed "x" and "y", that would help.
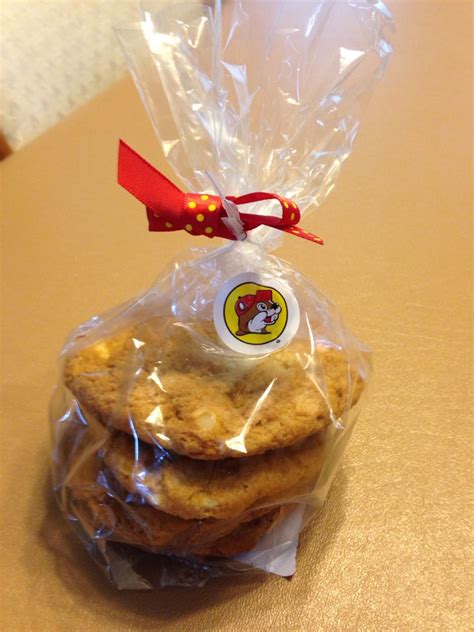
{"x": 254, "y": 314}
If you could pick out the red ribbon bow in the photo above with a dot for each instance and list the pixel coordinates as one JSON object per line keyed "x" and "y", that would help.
{"x": 169, "y": 208}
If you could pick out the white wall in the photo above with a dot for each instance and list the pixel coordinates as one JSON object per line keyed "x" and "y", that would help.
{"x": 55, "y": 56}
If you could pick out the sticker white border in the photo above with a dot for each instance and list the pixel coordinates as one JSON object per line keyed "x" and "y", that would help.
{"x": 293, "y": 312}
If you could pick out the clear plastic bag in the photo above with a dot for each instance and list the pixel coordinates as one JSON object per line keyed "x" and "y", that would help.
{"x": 197, "y": 428}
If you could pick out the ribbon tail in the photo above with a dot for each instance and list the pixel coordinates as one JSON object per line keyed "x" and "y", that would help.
{"x": 304, "y": 234}
{"x": 144, "y": 182}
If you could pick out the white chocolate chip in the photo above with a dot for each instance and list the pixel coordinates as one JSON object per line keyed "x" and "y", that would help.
{"x": 205, "y": 419}
{"x": 207, "y": 502}
{"x": 102, "y": 350}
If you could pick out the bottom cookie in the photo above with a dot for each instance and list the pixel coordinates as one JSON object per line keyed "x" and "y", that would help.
{"x": 158, "y": 532}
{"x": 242, "y": 540}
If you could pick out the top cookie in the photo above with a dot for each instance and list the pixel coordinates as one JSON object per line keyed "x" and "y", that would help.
{"x": 175, "y": 386}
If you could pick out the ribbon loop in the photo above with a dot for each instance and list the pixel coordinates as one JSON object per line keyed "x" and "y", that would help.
{"x": 169, "y": 208}
{"x": 290, "y": 212}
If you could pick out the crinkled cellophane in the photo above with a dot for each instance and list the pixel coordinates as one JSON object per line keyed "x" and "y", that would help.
{"x": 175, "y": 458}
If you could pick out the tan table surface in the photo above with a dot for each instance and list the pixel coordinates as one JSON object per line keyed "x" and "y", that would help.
{"x": 390, "y": 549}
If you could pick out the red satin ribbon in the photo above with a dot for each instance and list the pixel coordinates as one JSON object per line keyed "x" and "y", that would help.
{"x": 169, "y": 208}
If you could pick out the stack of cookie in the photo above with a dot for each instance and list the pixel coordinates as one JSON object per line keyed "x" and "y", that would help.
{"x": 192, "y": 451}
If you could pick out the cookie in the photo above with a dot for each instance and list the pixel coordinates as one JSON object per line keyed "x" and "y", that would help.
{"x": 109, "y": 511}
{"x": 242, "y": 540}
{"x": 176, "y": 386}
{"x": 221, "y": 490}
{"x": 139, "y": 526}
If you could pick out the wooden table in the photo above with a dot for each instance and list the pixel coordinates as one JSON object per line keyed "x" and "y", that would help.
{"x": 388, "y": 552}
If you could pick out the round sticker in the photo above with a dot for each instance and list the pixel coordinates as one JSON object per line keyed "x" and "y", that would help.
{"x": 254, "y": 314}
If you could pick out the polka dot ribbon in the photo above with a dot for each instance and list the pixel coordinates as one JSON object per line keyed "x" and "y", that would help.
{"x": 169, "y": 208}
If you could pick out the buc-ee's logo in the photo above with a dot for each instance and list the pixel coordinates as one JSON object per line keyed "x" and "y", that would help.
{"x": 255, "y": 315}
{"x": 256, "y": 312}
